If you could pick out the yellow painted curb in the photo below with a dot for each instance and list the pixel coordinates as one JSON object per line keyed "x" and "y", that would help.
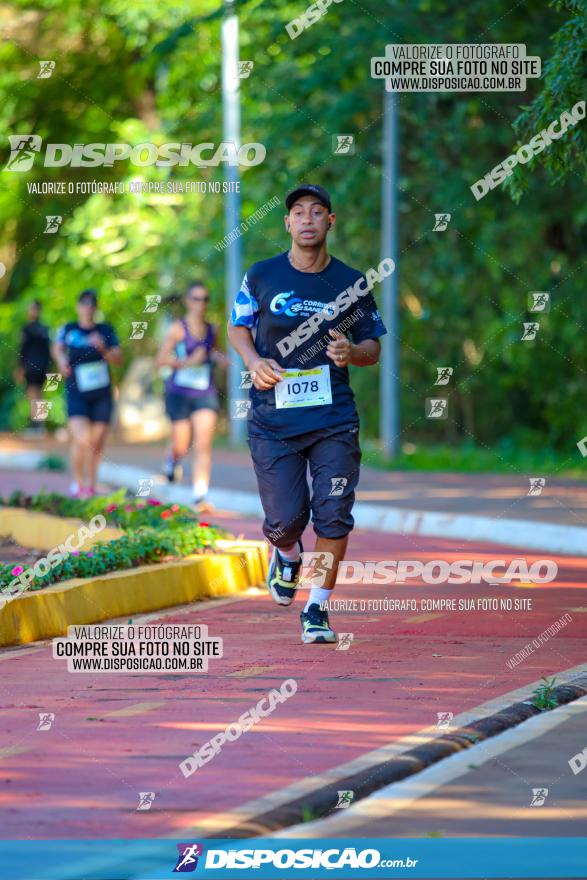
{"x": 255, "y": 552}
{"x": 31, "y": 528}
{"x": 47, "y": 613}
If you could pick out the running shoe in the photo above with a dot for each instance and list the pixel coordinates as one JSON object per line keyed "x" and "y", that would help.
{"x": 315, "y": 626}
{"x": 173, "y": 470}
{"x": 283, "y": 577}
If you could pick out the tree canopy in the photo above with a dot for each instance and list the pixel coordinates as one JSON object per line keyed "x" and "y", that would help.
{"x": 151, "y": 73}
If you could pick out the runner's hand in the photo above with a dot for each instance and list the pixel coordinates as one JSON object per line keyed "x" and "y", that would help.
{"x": 97, "y": 341}
{"x": 266, "y": 373}
{"x": 339, "y": 349}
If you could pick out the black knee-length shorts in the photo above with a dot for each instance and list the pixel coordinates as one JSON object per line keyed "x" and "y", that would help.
{"x": 333, "y": 457}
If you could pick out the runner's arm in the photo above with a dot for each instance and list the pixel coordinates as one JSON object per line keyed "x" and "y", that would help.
{"x": 344, "y": 352}
{"x": 60, "y": 358}
{"x": 109, "y": 349}
{"x": 266, "y": 371}
{"x": 166, "y": 355}
{"x": 218, "y": 356}
{"x": 113, "y": 355}
{"x": 365, "y": 354}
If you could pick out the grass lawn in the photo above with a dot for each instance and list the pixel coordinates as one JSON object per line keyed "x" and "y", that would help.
{"x": 474, "y": 459}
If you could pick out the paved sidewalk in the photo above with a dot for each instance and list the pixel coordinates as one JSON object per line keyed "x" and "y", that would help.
{"x": 500, "y": 496}
{"x": 519, "y": 784}
{"x": 122, "y": 734}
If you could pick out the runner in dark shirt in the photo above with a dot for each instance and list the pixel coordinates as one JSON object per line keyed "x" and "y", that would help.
{"x": 291, "y": 323}
{"x": 83, "y": 351}
{"x": 34, "y": 359}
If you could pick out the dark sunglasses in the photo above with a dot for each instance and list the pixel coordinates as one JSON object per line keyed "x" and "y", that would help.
{"x": 199, "y": 299}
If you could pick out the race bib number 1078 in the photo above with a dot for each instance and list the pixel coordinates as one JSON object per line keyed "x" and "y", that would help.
{"x": 303, "y": 388}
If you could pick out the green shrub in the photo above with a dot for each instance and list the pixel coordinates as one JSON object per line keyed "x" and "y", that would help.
{"x": 154, "y": 531}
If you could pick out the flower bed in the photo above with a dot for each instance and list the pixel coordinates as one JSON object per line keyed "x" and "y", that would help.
{"x": 154, "y": 532}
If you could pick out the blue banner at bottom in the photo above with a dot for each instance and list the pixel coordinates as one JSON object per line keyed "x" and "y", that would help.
{"x": 271, "y": 858}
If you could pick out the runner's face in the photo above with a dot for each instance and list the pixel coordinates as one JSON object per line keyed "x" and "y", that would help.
{"x": 196, "y": 300}
{"x": 86, "y": 311}
{"x": 307, "y": 222}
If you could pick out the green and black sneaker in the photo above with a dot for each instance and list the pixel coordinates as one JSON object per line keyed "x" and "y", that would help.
{"x": 315, "y": 626}
{"x": 282, "y": 581}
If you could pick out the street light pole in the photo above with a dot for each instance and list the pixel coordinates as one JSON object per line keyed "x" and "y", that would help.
{"x": 389, "y": 423}
{"x": 231, "y": 120}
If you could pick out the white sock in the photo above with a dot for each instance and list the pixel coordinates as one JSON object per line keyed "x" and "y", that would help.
{"x": 200, "y": 489}
{"x": 292, "y": 554}
{"x": 317, "y": 596}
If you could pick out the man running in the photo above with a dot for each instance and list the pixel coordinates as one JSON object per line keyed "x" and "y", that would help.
{"x": 288, "y": 324}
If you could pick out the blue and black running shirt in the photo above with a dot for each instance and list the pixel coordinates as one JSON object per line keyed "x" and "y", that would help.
{"x": 290, "y": 313}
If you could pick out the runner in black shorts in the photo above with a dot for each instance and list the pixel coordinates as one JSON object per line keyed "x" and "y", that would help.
{"x": 292, "y": 313}
{"x": 83, "y": 350}
{"x": 191, "y": 399}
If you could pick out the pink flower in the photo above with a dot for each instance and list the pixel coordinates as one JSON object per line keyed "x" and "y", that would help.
{"x": 111, "y": 507}
{"x": 90, "y": 555}
{"x": 140, "y": 504}
{"x": 128, "y": 507}
{"x": 75, "y": 552}
{"x": 18, "y": 569}
{"x": 175, "y": 507}
{"x": 153, "y": 502}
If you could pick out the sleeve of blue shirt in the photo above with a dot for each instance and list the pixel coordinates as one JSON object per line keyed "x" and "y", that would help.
{"x": 60, "y": 335}
{"x": 370, "y": 325}
{"x": 245, "y": 311}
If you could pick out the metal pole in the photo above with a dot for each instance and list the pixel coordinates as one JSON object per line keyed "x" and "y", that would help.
{"x": 389, "y": 425}
{"x": 231, "y": 119}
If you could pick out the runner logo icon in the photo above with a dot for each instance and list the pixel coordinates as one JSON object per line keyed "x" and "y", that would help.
{"x": 22, "y": 151}
{"x": 187, "y": 859}
{"x": 146, "y": 799}
{"x": 539, "y": 796}
{"x": 46, "y": 719}
{"x": 46, "y": 69}
{"x": 345, "y": 799}
{"x": 338, "y": 484}
{"x": 444, "y": 719}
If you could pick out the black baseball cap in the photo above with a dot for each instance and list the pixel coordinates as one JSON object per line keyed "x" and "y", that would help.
{"x": 309, "y": 189}
{"x": 88, "y": 296}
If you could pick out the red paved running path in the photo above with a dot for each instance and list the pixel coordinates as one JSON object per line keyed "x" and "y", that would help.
{"x": 115, "y": 735}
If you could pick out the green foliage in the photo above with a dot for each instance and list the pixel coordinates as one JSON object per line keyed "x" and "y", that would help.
{"x": 466, "y": 457}
{"x": 151, "y": 73}
{"x": 565, "y": 79}
{"x": 544, "y": 697}
{"x": 52, "y": 463}
{"x": 154, "y": 532}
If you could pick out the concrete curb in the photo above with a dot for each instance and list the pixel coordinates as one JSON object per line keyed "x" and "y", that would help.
{"x": 47, "y": 613}
{"x": 322, "y": 802}
{"x": 526, "y": 534}
{"x": 542, "y": 537}
{"x": 31, "y": 528}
